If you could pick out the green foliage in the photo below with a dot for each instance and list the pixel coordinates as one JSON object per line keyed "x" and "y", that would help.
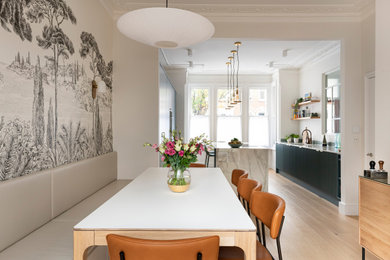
{"x": 200, "y": 102}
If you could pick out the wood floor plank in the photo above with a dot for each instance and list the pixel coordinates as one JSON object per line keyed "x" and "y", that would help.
{"x": 313, "y": 228}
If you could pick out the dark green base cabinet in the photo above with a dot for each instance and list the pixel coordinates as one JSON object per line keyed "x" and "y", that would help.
{"x": 317, "y": 171}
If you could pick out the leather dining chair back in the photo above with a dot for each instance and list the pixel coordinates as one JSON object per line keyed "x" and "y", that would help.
{"x": 127, "y": 248}
{"x": 197, "y": 165}
{"x": 269, "y": 209}
{"x": 245, "y": 189}
{"x": 237, "y": 174}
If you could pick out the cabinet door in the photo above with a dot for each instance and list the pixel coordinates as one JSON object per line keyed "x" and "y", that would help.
{"x": 312, "y": 167}
{"x": 279, "y": 157}
{"x": 289, "y": 160}
{"x": 299, "y": 170}
{"x": 329, "y": 173}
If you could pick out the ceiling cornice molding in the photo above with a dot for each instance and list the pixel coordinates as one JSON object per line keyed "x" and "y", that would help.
{"x": 342, "y": 12}
{"x": 321, "y": 55}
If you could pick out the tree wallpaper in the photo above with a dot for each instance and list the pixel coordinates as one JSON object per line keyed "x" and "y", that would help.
{"x": 47, "y": 64}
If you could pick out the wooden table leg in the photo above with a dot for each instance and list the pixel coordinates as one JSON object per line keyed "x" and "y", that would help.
{"x": 247, "y": 242}
{"x": 81, "y": 241}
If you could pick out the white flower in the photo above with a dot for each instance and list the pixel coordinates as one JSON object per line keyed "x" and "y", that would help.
{"x": 178, "y": 146}
{"x": 161, "y": 148}
{"x": 186, "y": 147}
{"x": 193, "y": 148}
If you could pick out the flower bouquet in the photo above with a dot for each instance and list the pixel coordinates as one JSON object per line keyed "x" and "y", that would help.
{"x": 178, "y": 156}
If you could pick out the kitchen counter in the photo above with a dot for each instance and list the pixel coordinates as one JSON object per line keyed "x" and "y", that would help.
{"x": 316, "y": 147}
{"x": 254, "y": 159}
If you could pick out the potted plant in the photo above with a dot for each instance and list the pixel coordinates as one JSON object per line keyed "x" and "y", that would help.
{"x": 292, "y": 138}
{"x": 295, "y": 137}
{"x": 178, "y": 155}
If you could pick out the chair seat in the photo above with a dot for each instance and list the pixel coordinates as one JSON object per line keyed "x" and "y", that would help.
{"x": 236, "y": 253}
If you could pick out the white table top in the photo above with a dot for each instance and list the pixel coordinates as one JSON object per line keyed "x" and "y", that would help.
{"x": 148, "y": 204}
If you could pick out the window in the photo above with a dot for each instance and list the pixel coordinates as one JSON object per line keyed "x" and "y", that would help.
{"x": 258, "y": 117}
{"x": 250, "y": 121}
{"x": 228, "y": 120}
{"x": 332, "y": 102}
{"x": 200, "y": 112}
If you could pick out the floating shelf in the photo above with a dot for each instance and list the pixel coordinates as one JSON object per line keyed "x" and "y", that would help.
{"x": 306, "y": 103}
{"x": 305, "y": 118}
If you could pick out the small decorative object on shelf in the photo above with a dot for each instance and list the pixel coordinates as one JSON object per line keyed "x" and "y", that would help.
{"x": 304, "y": 113}
{"x": 324, "y": 142}
{"x": 307, "y": 96}
{"x": 178, "y": 156}
{"x": 376, "y": 174}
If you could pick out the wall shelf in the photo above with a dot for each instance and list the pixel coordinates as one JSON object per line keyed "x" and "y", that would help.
{"x": 305, "y": 118}
{"x": 305, "y": 103}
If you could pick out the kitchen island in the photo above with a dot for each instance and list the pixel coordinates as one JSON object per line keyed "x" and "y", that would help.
{"x": 254, "y": 159}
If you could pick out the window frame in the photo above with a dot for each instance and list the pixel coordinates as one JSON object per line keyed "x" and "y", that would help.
{"x": 325, "y": 102}
{"x": 213, "y": 105}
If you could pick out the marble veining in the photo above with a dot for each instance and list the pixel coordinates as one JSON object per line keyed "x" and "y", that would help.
{"x": 255, "y": 161}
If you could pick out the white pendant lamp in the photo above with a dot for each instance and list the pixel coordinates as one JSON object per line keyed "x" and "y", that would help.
{"x": 165, "y": 27}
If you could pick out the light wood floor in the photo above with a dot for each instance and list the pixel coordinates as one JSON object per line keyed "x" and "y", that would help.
{"x": 313, "y": 228}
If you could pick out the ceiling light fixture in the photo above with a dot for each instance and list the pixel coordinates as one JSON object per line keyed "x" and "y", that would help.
{"x": 165, "y": 27}
{"x": 233, "y": 67}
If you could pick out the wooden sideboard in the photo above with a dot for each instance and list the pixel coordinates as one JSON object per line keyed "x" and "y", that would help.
{"x": 374, "y": 217}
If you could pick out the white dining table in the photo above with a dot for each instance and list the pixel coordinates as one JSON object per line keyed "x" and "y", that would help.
{"x": 147, "y": 209}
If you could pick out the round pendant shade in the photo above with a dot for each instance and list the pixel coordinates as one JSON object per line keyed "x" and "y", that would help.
{"x": 165, "y": 27}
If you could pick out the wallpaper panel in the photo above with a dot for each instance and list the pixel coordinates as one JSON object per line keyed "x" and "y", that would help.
{"x": 50, "y": 52}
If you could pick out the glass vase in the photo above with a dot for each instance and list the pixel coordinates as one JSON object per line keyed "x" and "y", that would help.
{"x": 179, "y": 180}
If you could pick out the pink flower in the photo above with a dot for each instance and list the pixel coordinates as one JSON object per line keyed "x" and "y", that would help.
{"x": 154, "y": 146}
{"x": 200, "y": 152}
{"x": 201, "y": 147}
{"x": 170, "y": 151}
{"x": 162, "y": 158}
{"x": 170, "y": 145}
{"x": 181, "y": 153}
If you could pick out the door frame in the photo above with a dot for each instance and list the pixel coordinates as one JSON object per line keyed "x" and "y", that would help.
{"x": 367, "y": 77}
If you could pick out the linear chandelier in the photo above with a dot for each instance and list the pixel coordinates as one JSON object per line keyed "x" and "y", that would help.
{"x": 233, "y": 67}
{"x": 164, "y": 27}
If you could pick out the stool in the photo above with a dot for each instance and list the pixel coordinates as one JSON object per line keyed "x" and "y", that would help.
{"x": 211, "y": 154}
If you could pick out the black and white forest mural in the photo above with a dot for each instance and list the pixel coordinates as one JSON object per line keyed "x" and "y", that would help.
{"x": 47, "y": 64}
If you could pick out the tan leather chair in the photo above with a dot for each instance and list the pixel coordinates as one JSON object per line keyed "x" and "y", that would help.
{"x": 245, "y": 189}
{"x": 269, "y": 209}
{"x": 197, "y": 165}
{"x": 202, "y": 248}
{"x": 237, "y": 174}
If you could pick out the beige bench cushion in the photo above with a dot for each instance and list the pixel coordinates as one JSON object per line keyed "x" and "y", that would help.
{"x": 74, "y": 182}
{"x": 25, "y": 204}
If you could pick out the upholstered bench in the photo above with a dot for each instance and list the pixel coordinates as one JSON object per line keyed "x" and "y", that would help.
{"x": 44, "y": 204}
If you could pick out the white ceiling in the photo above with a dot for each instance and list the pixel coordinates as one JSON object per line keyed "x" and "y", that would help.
{"x": 211, "y": 56}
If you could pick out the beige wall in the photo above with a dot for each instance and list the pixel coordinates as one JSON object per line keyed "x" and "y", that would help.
{"x": 382, "y": 85}
{"x": 368, "y": 43}
{"x": 135, "y": 105}
{"x": 287, "y": 92}
{"x": 311, "y": 80}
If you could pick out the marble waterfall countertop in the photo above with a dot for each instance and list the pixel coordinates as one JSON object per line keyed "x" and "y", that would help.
{"x": 254, "y": 159}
